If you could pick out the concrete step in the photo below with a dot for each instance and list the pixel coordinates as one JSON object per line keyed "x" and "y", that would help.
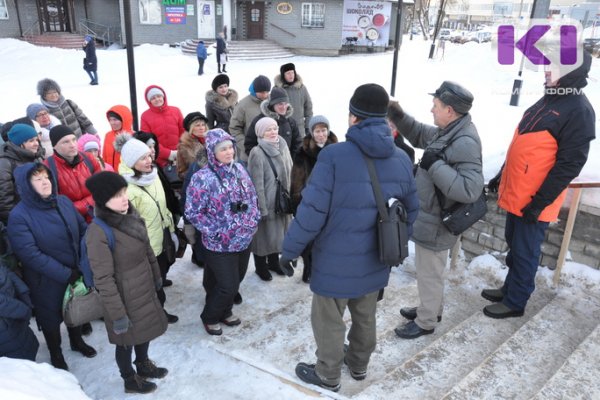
{"x": 517, "y": 371}
{"x": 582, "y": 367}
{"x": 243, "y": 50}
{"x": 61, "y": 40}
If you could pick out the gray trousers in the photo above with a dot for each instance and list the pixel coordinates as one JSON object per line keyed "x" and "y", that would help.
{"x": 430, "y": 266}
{"x": 329, "y": 328}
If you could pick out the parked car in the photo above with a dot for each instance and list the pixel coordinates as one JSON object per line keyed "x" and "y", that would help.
{"x": 480, "y": 36}
{"x": 459, "y": 37}
{"x": 592, "y": 45}
{"x": 444, "y": 34}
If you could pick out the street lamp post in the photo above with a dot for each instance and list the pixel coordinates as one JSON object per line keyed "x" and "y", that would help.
{"x": 396, "y": 47}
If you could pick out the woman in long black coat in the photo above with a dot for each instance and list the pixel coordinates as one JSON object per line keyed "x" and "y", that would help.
{"x": 90, "y": 62}
{"x": 45, "y": 231}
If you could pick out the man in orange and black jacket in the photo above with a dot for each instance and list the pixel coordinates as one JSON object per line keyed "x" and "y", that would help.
{"x": 549, "y": 148}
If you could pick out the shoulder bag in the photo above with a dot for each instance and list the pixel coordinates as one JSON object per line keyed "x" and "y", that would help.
{"x": 168, "y": 244}
{"x": 81, "y": 305}
{"x": 283, "y": 200}
{"x": 392, "y": 232}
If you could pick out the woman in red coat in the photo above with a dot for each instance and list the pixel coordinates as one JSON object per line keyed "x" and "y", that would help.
{"x": 165, "y": 121}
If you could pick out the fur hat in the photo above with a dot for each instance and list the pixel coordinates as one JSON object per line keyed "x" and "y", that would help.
{"x": 104, "y": 186}
{"x": 261, "y": 126}
{"x": 153, "y": 92}
{"x": 317, "y": 119}
{"x": 261, "y": 84}
{"x": 219, "y": 80}
{"x": 278, "y": 95}
{"x": 132, "y": 151}
{"x": 286, "y": 67}
{"x": 46, "y": 85}
{"x": 34, "y": 109}
{"x": 20, "y": 133}
{"x": 454, "y": 95}
{"x": 59, "y": 132}
{"x": 193, "y": 117}
{"x": 369, "y": 101}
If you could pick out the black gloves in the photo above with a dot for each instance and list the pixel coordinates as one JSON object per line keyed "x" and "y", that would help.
{"x": 531, "y": 213}
{"x": 75, "y": 274}
{"x": 429, "y": 157}
{"x": 286, "y": 266}
{"x": 494, "y": 183}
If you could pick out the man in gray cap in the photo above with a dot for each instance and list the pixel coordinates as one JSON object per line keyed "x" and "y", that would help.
{"x": 450, "y": 166}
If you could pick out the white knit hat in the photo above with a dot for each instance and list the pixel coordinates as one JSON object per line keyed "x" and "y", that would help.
{"x": 132, "y": 151}
{"x": 153, "y": 92}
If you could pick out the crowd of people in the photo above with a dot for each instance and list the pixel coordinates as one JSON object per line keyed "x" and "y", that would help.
{"x": 221, "y": 177}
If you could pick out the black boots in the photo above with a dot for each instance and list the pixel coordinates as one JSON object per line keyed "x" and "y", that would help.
{"x": 53, "y": 342}
{"x": 147, "y": 369}
{"x": 137, "y": 384}
{"x": 307, "y": 261}
{"x": 262, "y": 269}
{"x": 273, "y": 263}
{"x": 77, "y": 343}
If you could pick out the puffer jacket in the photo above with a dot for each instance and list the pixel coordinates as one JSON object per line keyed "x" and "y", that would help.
{"x": 458, "y": 175}
{"x": 150, "y": 203}
{"x": 339, "y": 213}
{"x": 109, "y": 155}
{"x": 69, "y": 113}
{"x": 17, "y": 340}
{"x": 11, "y": 156}
{"x": 210, "y": 194}
{"x": 549, "y": 148}
{"x": 45, "y": 235}
{"x": 304, "y": 162}
{"x": 220, "y": 108}
{"x": 272, "y": 226}
{"x": 166, "y": 122}
{"x": 71, "y": 181}
{"x": 243, "y": 114}
{"x": 299, "y": 100}
{"x": 126, "y": 277}
{"x": 288, "y": 129}
{"x": 187, "y": 152}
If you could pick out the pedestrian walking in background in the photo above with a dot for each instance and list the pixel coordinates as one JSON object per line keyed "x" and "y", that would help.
{"x": 90, "y": 62}
{"x": 127, "y": 277}
{"x": 221, "y": 52}
{"x": 338, "y": 214}
{"x": 201, "y": 54}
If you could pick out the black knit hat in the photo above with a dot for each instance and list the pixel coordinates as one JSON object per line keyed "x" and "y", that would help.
{"x": 287, "y": 67}
{"x": 455, "y": 96}
{"x": 113, "y": 115}
{"x": 219, "y": 80}
{"x": 59, "y": 132}
{"x": 369, "y": 101}
{"x": 104, "y": 186}
{"x": 278, "y": 95}
{"x": 261, "y": 84}
{"x": 191, "y": 118}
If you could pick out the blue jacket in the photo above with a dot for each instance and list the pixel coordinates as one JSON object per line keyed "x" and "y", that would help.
{"x": 201, "y": 50}
{"x": 45, "y": 237}
{"x": 16, "y": 338}
{"x": 338, "y": 211}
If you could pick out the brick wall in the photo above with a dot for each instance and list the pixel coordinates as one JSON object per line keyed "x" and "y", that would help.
{"x": 487, "y": 236}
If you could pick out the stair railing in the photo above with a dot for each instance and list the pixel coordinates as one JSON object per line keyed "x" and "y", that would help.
{"x": 105, "y": 33}
{"x": 33, "y": 29}
{"x": 281, "y": 29}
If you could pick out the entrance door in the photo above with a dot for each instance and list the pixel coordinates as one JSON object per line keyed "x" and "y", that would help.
{"x": 54, "y": 15}
{"x": 255, "y": 18}
{"x": 205, "y": 9}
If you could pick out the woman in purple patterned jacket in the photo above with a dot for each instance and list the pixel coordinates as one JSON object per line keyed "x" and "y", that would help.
{"x": 222, "y": 204}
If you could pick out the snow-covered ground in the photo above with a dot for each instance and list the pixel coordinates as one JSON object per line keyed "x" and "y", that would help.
{"x": 205, "y": 367}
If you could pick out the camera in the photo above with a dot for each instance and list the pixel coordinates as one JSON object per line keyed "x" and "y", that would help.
{"x": 239, "y": 206}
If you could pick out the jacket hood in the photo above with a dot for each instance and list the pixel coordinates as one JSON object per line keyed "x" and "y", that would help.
{"x": 27, "y": 193}
{"x": 125, "y": 114}
{"x": 267, "y": 112}
{"x": 213, "y": 137}
{"x": 373, "y": 136}
{"x": 155, "y": 109}
{"x": 577, "y": 78}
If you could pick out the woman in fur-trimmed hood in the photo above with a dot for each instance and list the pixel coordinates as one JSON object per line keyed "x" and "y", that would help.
{"x": 220, "y": 102}
{"x": 66, "y": 110}
{"x": 289, "y": 80}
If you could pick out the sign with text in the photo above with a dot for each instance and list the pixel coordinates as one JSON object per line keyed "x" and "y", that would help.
{"x": 368, "y": 21}
{"x": 175, "y": 15}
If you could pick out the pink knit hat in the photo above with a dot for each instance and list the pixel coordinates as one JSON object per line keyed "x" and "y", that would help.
{"x": 88, "y": 142}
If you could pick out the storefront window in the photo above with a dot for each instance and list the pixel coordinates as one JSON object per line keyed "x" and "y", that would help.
{"x": 313, "y": 15}
{"x": 3, "y": 10}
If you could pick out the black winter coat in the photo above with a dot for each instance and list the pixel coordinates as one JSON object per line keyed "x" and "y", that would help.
{"x": 90, "y": 62}
{"x": 288, "y": 129}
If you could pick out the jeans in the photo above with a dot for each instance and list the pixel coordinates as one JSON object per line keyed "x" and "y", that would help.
{"x": 93, "y": 76}
{"x": 200, "y": 66}
{"x": 525, "y": 247}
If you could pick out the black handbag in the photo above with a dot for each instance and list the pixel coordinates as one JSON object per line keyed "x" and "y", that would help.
{"x": 170, "y": 172}
{"x": 283, "y": 200}
{"x": 461, "y": 216}
{"x": 392, "y": 231}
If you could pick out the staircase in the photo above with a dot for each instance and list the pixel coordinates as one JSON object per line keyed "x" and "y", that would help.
{"x": 63, "y": 40}
{"x": 553, "y": 352}
{"x": 243, "y": 50}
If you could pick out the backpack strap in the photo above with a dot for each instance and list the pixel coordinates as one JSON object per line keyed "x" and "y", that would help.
{"x": 52, "y": 166}
{"x": 107, "y": 231}
{"x": 87, "y": 162}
